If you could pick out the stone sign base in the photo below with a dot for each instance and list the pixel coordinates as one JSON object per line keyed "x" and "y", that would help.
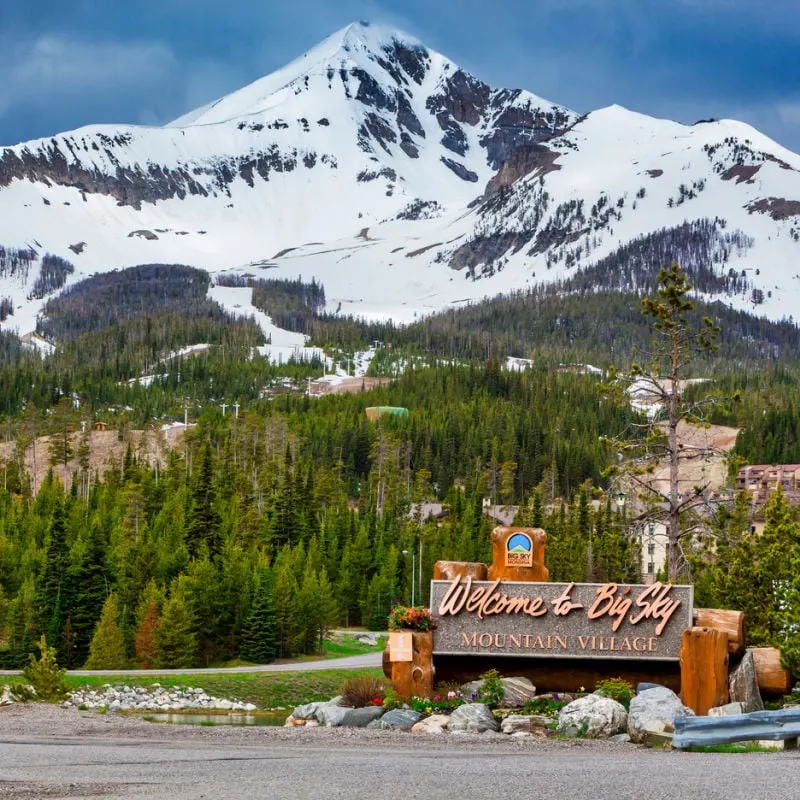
{"x": 558, "y": 674}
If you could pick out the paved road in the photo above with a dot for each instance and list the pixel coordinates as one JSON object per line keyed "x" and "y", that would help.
{"x": 117, "y": 768}
{"x": 350, "y": 662}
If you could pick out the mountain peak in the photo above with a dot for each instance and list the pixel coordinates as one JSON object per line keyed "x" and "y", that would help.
{"x": 359, "y": 44}
{"x": 373, "y": 37}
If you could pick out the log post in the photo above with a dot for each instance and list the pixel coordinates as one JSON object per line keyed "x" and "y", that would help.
{"x": 773, "y": 679}
{"x": 415, "y": 677}
{"x": 704, "y": 669}
{"x": 722, "y": 619}
{"x": 386, "y": 662}
{"x": 518, "y": 555}
{"x": 447, "y": 570}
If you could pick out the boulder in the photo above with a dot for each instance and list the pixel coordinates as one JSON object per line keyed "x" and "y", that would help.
{"x": 361, "y": 717}
{"x": 434, "y": 724}
{"x": 517, "y": 691}
{"x": 307, "y": 711}
{"x": 743, "y": 684}
{"x": 400, "y": 719}
{"x": 593, "y": 716}
{"x": 368, "y": 638}
{"x": 515, "y": 724}
{"x": 6, "y": 699}
{"x": 643, "y": 687}
{"x": 375, "y": 725}
{"x": 620, "y": 737}
{"x": 473, "y": 718}
{"x": 728, "y": 710}
{"x": 332, "y": 715}
{"x": 654, "y": 711}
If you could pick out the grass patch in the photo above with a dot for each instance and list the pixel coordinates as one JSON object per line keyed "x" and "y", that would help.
{"x": 264, "y": 689}
{"x": 733, "y": 747}
{"x": 341, "y": 648}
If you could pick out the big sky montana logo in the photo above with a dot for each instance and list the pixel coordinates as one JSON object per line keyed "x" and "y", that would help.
{"x": 519, "y": 551}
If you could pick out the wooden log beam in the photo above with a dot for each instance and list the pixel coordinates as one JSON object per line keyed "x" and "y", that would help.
{"x": 773, "y": 679}
{"x": 722, "y": 619}
{"x": 447, "y": 570}
{"x": 704, "y": 669}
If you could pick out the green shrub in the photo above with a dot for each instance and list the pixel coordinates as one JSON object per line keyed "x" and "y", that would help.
{"x": 491, "y": 691}
{"x": 547, "y": 705}
{"x": 447, "y": 701}
{"x": 617, "y": 689}
{"x": 45, "y": 676}
{"x": 391, "y": 699}
{"x": 363, "y": 690}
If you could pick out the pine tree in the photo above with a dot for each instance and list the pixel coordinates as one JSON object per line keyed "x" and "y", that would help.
{"x": 90, "y": 583}
{"x": 286, "y": 605}
{"x": 175, "y": 641}
{"x": 145, "y": 642}
{"x": 48, "y": 598}
{"x": 107, "y": 650}
{"x": 678, "y": 342}
{"x": 329, "y": 613}
{"x": 308, "y": 611}
{"x": 260, "y": 634}
{"x": 202, "y": 519}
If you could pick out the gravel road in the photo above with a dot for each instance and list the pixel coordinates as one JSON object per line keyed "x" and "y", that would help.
{"x": 349, "y": 662}
{"x": 48, "y": 752}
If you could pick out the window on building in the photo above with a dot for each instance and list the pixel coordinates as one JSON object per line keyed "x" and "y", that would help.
{"x": 651, "y": 530}
{"x": 651, "y": 548}
{"x": 651, "y": 568}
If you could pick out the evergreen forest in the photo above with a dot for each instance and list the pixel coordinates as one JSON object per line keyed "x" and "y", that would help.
{"x": 259, "y": 531}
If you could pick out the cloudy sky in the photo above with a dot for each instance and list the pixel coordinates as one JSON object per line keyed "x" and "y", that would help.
{"x": 67, "y": 63}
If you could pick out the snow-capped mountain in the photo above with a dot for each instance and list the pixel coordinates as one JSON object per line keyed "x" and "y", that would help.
{"x": 401, "y": 182}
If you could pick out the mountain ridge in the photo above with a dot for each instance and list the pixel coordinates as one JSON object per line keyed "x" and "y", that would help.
{"x": 402, "y": 182}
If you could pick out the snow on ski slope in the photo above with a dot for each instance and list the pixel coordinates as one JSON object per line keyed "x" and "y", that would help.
{"x": 282, "y": 345}
{"x": 367, "y": 162}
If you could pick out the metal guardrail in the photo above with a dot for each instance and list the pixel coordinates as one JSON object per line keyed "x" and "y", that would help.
{"x": 766, "y": 725}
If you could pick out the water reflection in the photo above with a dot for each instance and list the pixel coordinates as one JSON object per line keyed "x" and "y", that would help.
{"x": 216, "y": 719}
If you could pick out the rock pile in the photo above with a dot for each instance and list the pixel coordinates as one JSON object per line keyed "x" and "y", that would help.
{"x": 127, "y": 698}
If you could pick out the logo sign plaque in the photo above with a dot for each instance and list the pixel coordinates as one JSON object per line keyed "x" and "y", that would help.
{"x": 401, "y": 647}
{"x": 560, "y": 620}
{"x": 519, "y": 551}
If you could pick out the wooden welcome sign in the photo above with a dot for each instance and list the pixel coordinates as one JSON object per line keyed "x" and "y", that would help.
{"x": 565, "y": 620}
{"x": 564, "y": 636}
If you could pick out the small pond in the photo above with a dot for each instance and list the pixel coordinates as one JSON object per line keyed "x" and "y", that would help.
{"x": 215, "y": 719}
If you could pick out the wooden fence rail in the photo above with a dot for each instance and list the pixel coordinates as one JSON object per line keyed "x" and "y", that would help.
{"x": 768, "y": 725}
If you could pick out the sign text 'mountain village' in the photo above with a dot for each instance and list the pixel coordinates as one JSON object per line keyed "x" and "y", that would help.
{"x": 560, "y": 620}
